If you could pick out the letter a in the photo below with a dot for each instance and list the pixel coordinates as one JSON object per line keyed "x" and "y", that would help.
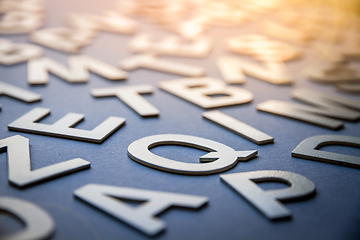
{"x": 142, "y": 217}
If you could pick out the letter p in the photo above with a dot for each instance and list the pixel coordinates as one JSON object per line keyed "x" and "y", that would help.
{"x": 267, "y": 202}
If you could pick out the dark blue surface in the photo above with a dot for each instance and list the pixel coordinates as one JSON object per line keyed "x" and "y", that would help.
{"x": 334, "y": 213}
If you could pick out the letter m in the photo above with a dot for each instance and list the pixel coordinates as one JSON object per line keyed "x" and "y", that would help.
{"x": 78, "y": 71}
{"x": 322, "y": 108}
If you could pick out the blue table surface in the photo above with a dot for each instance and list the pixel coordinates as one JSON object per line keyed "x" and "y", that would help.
{"x": 334, "y": 213}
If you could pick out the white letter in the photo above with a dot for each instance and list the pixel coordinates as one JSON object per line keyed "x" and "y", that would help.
{"x": 238, "y": 127}
{"x": 328, "y": 105}
{"x": 233, "y": 71}
{"x": 131, "y": 96}
{"x": 200, "y": 90}
{"x": 20, "y": 172}
{"x": 267, "y": 201}
{"x": 63, "y": 39}
{"x": 64, "y": 127}
{"x": 78, "y": 71}
{"x": 309, "y": 149}
{"x": 11, "y": 53}
{"x": 38, "y": 223}
{"x": 155, "y": 63}
{"x": 143, "y": 217}
{"x": 18, "y": 93}
{"x": 220, "y": 158}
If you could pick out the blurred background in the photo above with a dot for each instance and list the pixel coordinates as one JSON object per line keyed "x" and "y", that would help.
{"x": 317, "y": 41}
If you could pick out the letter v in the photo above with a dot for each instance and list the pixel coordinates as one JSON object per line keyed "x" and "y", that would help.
{"x": 20, "y": 172}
